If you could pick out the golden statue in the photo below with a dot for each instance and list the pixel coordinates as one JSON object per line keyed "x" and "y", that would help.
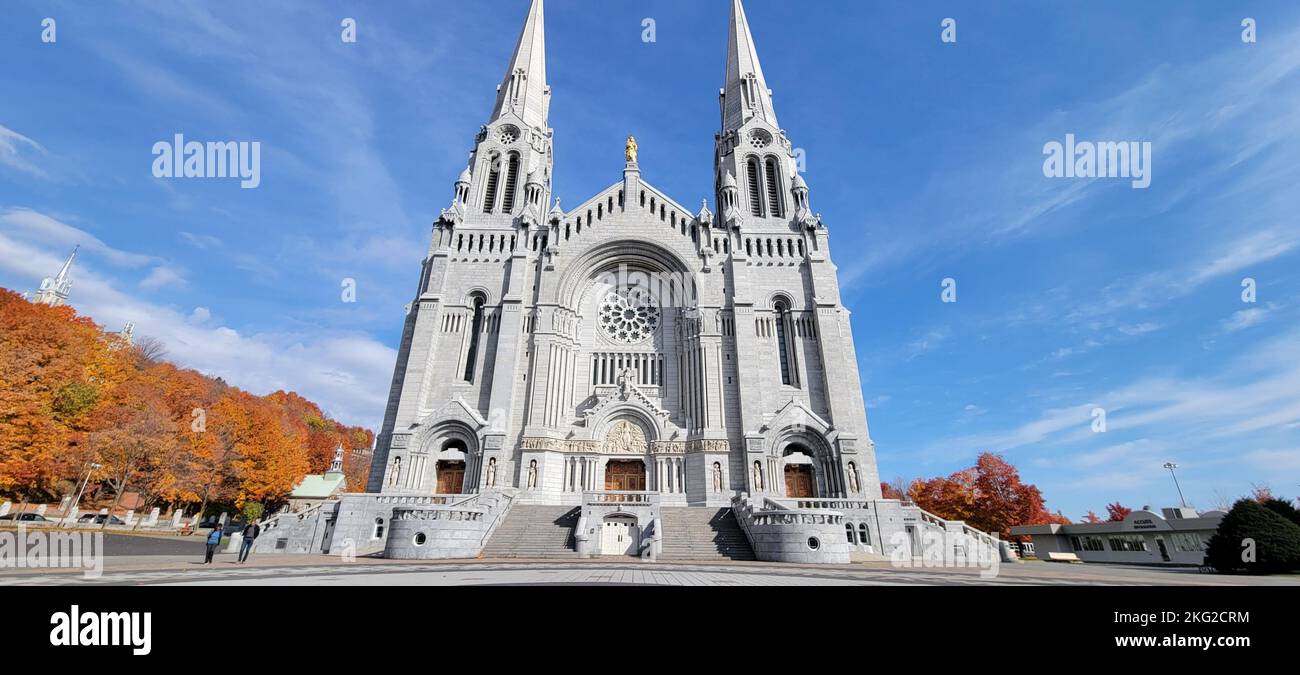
{"x": 631, "y": 150}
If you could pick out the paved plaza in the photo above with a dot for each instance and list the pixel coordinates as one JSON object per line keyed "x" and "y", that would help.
{"x": 140, "y": 561}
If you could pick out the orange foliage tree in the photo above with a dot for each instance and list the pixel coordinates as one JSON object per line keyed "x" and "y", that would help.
{"x": 988, "y": 496}
{"x": 72, "y": 394}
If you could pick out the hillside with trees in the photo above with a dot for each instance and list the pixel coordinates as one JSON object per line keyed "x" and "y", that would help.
{"x": 73, "y": 395}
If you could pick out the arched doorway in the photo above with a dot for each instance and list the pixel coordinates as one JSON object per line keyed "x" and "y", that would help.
{"x": 625, "y": 475}
{"x": 799, "y": 480}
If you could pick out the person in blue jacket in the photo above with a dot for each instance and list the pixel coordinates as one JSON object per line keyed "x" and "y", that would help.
{"x": 214, "y": 540}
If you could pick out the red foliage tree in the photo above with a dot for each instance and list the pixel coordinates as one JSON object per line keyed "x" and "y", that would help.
{"x": 988, "y": 496}
{"x": 1117, "y": 512}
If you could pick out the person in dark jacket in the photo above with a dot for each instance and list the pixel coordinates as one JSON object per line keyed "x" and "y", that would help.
{"x": 251, "y": 531}
{"x": 214, "y": 540}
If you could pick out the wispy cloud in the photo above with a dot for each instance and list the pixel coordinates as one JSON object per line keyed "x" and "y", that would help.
{"x": 16, "y": 150}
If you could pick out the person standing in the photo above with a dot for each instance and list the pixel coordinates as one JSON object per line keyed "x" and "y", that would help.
{"x": 251, "y": 531}
{"x": 214, "y": 540}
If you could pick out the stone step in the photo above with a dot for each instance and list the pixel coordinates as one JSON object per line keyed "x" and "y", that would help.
{"x": 703, "y": 533}
{"x": 533, "y": 531}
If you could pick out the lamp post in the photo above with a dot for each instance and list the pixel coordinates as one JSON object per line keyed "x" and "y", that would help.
{"x": 70, "y": 516}
{"x": 1171, "y": 466}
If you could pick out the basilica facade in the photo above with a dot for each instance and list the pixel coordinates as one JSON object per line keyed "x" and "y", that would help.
{"x": 628, "y": 343}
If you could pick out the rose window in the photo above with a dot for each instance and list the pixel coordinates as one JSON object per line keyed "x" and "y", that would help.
{"x": 760, "y": 139}
{"x": 628, "y": 318}
{"x": 508, "y": 134}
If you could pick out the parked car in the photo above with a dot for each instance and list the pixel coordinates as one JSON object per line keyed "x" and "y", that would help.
{"x": 231, "y": 527}
{"x": 98, "y": 519}
{"x": 26, "y": 518}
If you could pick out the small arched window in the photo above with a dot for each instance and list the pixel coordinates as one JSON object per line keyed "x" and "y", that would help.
{"x": 864, "y": 535}
{"x": 848, "y": 530}
{"x": 379, "y": 529}
{"x": 477, "y": 327}
{"x": 782, "y": 345}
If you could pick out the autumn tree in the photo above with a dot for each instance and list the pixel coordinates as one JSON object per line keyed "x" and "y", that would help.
{"x": 988, "y": 496}
{"x": 1117, "y": 512}
{"x": 72, "y": 394}
{"x": 1091, "y": 517}
{"x": 55, "y": 369}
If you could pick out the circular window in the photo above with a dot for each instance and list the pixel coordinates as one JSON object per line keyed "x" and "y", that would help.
{"x": 420, "y": 539}
{"x": 760, "y": 138}
{"x": 628, "y": 318}
{"x": 508, "y": 134}
{"x": 814, "y": 543}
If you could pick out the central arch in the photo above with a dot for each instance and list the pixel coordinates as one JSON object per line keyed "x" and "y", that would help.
{"x": 676, "y": 286}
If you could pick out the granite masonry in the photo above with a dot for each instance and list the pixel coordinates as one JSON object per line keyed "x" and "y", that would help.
{"x": 625, "y": 354}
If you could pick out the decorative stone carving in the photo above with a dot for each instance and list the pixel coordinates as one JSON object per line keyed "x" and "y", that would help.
{"x": 625, "y": 438}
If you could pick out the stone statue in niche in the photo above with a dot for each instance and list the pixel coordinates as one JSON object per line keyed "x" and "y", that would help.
{"x": 717, "y": 477}
{"x": 532, "y": 474}
{"x": 758, "y": 476}
{"x": 492, "y": 472}
{"x": 853, "y": 478}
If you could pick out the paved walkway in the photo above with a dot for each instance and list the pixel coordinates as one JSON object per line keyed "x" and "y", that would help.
{"x": 282, "y": 570}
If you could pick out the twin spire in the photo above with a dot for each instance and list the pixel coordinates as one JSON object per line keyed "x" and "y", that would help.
{"x": 746, "y": 94}
{"x": 524, "y": 90}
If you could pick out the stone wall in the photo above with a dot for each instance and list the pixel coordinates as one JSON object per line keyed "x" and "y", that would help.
{"x": 446, "y": 532}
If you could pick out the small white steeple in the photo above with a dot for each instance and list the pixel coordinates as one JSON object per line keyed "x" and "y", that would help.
{"x": 54, "y": 291}
{"x": 336, "y": 466}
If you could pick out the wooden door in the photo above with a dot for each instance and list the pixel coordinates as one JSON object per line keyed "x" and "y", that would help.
{"x": 625, "y": 476}
{"x": 798, "y": 480}
{"x": 451, "y": 477}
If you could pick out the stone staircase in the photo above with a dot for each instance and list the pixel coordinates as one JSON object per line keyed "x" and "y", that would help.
{"x": 534, "y": 531}
{"x": 703, "y": 533}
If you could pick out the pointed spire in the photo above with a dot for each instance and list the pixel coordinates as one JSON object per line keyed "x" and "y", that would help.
{"x": 63, "y": 273}
{"x": 524, "y": 89}
{"x": 54, "y": 290}
{"x": 745, "y": 94}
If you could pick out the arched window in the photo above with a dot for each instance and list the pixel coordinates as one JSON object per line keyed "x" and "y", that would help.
{"x": 379, "y": 529}
{"x": 755, "y": 193}
{"x": 782, "y": 346}
{"x": 494, "y": 179}
{"x": 512, "y": 183}
{"x": 773, "y": 192}
{"x": 864, "y": 535}
{"x": 848, "y": 530}
{"x": 472, "y": 356}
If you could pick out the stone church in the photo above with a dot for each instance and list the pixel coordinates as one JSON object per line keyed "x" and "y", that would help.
{"x": 629, "y": 342}
{"x": 628, "y": 361}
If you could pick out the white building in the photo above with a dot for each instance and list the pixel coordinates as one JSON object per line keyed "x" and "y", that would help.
{"x": 628, "y": 342}
{"x": 642, "y": 363}
{"x": 1179, "y": 536}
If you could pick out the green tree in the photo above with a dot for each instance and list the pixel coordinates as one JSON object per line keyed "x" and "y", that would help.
{"x": 1255, "y": 540}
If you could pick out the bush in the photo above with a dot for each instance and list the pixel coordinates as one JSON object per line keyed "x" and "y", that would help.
{"x": 1283, "y": 508}
{"x": 1276, "y": 541}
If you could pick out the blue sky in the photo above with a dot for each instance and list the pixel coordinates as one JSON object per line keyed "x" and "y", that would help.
{"x": 924, "y": 159}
